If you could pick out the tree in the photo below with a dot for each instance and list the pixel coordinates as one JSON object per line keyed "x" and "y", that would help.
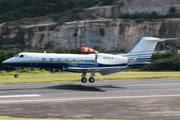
{"x": 172, "y": 10}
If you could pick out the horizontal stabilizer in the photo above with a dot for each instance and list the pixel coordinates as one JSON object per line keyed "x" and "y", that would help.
{"x": 169, "y": 39}
{"x": 158, "y": 39}
{"x": 108, "y": 71}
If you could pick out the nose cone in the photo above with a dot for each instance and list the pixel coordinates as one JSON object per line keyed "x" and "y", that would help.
{"x": 9, "y": 62}
{"x": 4, "y": 62}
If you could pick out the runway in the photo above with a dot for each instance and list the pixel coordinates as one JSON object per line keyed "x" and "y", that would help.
{"x": 110, "y": 99}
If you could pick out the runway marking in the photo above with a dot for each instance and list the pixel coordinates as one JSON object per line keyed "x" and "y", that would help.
{"x": 15, "y": 96}
{"x": 93, "y": 98}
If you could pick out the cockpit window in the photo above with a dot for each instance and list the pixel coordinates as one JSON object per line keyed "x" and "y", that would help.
{"x": 21, "y": 56}
{"x": 16, "y": 55}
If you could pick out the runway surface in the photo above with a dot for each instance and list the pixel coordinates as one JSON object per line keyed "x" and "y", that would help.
{"x": 117, "y": 99}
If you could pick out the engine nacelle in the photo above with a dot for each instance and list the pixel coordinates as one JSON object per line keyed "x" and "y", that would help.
{"x": 109, "y": 59}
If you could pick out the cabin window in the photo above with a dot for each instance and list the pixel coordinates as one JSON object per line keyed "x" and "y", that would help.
{"x": 43, "y": 59}
{"x": 66, "y": 60}
{"x": 58, "y": 59}
{"x": 21, "y": 56}
{"x": 74, "y": 60}
{"x": 51, "y": 59}
{"x": 82, "y": 60}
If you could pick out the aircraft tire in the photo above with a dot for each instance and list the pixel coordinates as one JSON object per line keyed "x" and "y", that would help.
{"x": 91, "y": 80}
{"x": 83, "y": 80}
{"x": 16, "y": 75}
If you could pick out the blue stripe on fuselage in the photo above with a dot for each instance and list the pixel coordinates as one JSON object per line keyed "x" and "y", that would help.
{"x": 51, "y": 65}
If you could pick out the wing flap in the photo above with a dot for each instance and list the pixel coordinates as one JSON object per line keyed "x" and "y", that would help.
{"x": 94, "y": 68}
{"x": 108, "y": 71}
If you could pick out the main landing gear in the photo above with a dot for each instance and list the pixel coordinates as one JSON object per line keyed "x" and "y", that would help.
{"x": 17, "y": 70}
{"x": 91, "y": 79}
{"x": 84, "y": 80}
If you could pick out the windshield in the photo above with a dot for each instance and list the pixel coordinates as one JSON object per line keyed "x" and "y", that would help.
{"x": 21, "y": 56}
{"x": 16, "y": 55}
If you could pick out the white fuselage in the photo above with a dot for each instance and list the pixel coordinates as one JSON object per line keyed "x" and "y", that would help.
{"x": 64, "y": 61}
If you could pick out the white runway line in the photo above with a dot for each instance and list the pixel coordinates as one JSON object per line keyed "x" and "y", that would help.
{"x": 93, "y": 98}
{"x": 16, "y": 96}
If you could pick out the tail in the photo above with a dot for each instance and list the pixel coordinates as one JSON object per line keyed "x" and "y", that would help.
{"x": 144, "y": 49}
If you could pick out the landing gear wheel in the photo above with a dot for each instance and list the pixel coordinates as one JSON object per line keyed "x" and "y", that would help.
{"x": 83, "y": 80}
{"x": 17, "y": 70}
{"x": 91, "y": 80}
{"x": 16, "y": 75}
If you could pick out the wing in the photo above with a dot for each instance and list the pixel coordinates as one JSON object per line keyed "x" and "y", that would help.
{"x": 102, "y": 70}
{"x": 94, "y": 68}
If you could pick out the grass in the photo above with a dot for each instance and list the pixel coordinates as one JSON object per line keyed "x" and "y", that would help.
{"x": 13, "y": 118}
{"x": 61, "y": 77}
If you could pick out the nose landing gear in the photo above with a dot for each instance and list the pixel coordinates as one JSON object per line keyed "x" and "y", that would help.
{"x": 17, "y": 70}
{"x": 16, "y": 75}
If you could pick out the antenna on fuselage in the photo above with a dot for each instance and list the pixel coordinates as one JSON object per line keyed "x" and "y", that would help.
{"x": 45, "y": 52}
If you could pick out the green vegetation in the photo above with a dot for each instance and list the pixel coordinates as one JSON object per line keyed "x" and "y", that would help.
{"x": 75, "y": 33}
{"x": 60, "y": 22}
{"x": 164, "y": 62}
{"x": 27, "y": 71}
{"x": 140, "y": 17}
{"x": 101, "y": 31}
{"x": 172, "y": 10}
{"x": 67, "y": 76}
{"x": 107, "y": 2}
{"x": 11, "y": 10}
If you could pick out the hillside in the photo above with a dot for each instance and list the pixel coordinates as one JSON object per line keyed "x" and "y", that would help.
{"x": 107, "y": 35}
{"x": 56, "y": 11}
{"x": 93, "y": 25}
{"x": 11, "y": 10}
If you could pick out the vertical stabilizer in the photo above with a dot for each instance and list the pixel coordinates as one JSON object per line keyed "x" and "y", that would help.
{"x": 144, "y": 49}
{"x": 146, "y": 44}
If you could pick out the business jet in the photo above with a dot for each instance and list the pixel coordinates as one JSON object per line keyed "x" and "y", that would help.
{"x": 103, "y": 63}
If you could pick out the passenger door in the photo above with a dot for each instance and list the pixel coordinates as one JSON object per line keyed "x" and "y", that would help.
{"x": 34, "y": 60}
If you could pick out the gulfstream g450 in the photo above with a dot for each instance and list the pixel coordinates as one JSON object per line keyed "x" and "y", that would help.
{"x": 103, "y": 63}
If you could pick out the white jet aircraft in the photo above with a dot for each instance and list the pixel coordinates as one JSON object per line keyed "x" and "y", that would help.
{"x": 103, "y": 63}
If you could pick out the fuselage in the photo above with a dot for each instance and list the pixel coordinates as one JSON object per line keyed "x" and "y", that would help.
{"x": 64, "y": 61}
{"x": 51, "y": 60}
